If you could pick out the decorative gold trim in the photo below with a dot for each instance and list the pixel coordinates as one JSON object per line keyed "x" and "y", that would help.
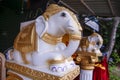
{"x": 56, "y": 61}
{"x": 13, "y": 76}
{"x": 86, "y": 60}
{"x": 82, "y": 53}
{"x": 51, "y": 39}
{"x": 75, "y": 37}
{"x": 23, "y": 55}
{"x": 87, "y": 67}
{"x": 59, "y": 61}
{"x": 100, "y": 66}
{"x": 37, "y": 75}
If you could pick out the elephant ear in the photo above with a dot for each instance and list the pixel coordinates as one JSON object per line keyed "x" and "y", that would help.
{"x": 41, "y": 26}
{"x": 25, "y": 41}
{"x": 25, "y": 24}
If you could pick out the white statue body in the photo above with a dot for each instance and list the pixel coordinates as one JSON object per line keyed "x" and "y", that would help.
{"x": 48, "y": 49}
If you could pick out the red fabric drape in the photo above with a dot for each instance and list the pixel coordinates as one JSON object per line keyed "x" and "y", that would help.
{"x": 99, "y": 73}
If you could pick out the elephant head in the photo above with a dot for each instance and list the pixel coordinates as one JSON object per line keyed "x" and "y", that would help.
{"x": 96, "y": 39}
{"x": 57, "y": 21}
{"x": 96, "y": 42}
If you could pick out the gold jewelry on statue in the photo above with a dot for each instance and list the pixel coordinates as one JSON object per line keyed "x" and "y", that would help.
{"x": 75, "y": 37}
{"x": 51, "y": 39}
{"x": 56, "y": 61}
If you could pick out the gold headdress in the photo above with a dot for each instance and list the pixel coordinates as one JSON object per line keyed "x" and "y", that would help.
{"x": 51, "y": 10}
{"x": 54, "y": 8}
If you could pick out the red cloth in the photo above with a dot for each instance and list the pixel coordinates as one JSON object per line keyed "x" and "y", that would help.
{"x": 101, "y": 74}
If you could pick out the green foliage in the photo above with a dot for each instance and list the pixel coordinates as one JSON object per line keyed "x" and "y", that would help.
{"x": 117, "y": 43}
{"x": 105, "y": 31}
{"x": 114, "y": 77}
{"x": 115, "y": 59}
{"x": 112, "y": 73}
{"x": 113, "y": 65}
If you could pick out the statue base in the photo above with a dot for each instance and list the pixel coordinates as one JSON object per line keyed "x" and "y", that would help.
{"x": 23, "y": 72}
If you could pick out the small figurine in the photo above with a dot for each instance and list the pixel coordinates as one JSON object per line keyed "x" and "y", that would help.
{"x": 87, "y": 55}
{"x": 92, "y": 43}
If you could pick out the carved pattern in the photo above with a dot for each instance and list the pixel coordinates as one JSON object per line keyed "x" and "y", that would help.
{"x": 37, "y": 75}
{"x": 86, "y": 60}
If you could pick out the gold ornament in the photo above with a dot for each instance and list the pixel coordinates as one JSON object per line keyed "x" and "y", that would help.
{"x": 13, "y": 76}
{"x": 86, "y": 60}
{"x": 75, "y": 37}
{"x": 37, "y": 75}
{"x": 26, "y": 40}
{"x": 51, "y": 39}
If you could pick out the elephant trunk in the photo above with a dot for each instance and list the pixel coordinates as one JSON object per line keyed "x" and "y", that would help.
{"x": 74, "y": 30}
{"x": 72, "y": 46}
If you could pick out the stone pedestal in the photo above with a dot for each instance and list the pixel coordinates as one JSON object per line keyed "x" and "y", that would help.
{"x": 86, "y": 74}
{"x": 17, "y": 71}
{"x": 86, "y": 61}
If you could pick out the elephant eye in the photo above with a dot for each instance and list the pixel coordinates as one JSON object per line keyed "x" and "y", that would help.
{"x": 63, "y": 14}
{"x": 97, "y": 43}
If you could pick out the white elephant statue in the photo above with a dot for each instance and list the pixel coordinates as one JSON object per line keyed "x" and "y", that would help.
{"x": 40, "y": 41}
{"x": 92, "y": 43}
